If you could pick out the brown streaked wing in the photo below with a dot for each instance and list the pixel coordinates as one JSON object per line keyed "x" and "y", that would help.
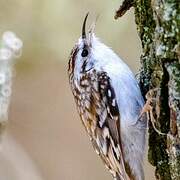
{"x": 107, "y": 140}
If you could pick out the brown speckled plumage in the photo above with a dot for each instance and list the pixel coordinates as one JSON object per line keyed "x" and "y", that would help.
{"x": 109, "y": 102}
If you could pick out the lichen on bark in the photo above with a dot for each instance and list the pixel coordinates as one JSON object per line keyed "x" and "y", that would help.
{"x": 158, "y": 25}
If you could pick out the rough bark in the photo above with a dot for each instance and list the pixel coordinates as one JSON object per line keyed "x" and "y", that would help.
{"x": 158, "y": 25}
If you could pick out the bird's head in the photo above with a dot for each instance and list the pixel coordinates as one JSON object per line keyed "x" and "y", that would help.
{"x": 89, "y": 52}
{"x": 81, "y": 57}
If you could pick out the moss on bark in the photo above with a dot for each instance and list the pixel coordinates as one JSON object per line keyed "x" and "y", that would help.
{"x": 158, "y": 25}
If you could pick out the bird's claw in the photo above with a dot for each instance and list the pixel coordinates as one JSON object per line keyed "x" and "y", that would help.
{"x": 152, "y": 101}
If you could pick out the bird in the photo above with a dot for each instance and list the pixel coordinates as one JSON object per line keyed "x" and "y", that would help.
{"x": 109, "y": 102}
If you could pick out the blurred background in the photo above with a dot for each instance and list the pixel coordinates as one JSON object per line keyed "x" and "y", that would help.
{"x": 45, "y": 139}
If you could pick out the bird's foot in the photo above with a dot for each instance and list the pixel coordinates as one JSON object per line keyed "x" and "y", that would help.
{"x": 152, "y": 103}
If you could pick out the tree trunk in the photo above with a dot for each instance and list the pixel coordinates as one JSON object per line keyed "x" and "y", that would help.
{"x": 158, "y": 25}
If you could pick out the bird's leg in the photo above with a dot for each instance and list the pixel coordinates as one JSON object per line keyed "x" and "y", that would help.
{"x": 152, "y": 97}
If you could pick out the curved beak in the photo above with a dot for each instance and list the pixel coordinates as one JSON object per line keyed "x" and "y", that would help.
{"x": 84, "y": 27}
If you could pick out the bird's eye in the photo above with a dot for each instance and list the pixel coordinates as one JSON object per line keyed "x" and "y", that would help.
{"x": 84, "y": 53}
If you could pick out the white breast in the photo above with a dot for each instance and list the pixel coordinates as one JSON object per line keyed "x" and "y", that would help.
{"x": 129, "y": 98}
